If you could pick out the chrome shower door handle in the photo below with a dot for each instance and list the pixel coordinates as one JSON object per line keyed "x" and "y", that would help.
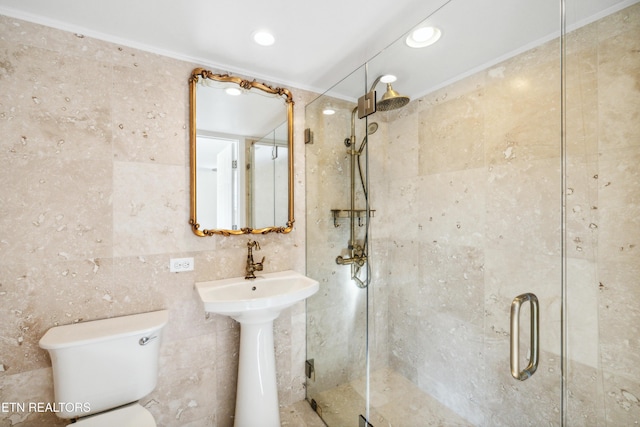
{"x": 515, "y": 337}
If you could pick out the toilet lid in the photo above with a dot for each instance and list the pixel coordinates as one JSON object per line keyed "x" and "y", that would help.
{"x": 128, "y": 416}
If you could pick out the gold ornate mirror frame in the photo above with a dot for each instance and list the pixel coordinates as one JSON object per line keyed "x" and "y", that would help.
{"x": 200, "y": 73}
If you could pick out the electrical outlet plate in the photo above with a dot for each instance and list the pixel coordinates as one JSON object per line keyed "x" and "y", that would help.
{"x": 177, "y": 265}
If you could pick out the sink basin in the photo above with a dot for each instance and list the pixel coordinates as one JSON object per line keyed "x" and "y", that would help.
{"x": 256, "y": 303}
{"x": 267, "y": 294}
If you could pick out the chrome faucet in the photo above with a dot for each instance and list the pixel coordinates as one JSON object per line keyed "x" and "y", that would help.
{"x": 252, "y": 267}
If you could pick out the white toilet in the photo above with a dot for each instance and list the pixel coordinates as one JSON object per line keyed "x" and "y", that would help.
{"x": 102, "y": 365}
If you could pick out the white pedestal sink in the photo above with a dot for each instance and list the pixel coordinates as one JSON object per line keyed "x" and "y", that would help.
{"x": 255, "y": 304}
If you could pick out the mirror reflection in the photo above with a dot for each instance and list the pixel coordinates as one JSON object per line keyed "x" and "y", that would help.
{"x": 241, "y": 157}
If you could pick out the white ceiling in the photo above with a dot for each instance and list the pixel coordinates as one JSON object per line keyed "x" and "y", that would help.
{"x": 318, "y": 43}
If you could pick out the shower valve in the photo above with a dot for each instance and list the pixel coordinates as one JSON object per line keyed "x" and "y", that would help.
{"x": 358, "y": 260}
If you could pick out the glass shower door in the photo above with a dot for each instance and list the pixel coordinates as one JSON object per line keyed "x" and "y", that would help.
{"x": 337, "y": 314}
{"x": 467, "y": 189}
{"x": 465, "y": 185}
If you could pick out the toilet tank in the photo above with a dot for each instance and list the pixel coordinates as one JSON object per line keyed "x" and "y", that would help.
{"x": 103, "y": 364}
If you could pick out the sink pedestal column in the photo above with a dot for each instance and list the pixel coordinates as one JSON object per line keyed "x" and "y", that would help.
{"x": 257, "y": 394}
{"x": 255, "y": 304}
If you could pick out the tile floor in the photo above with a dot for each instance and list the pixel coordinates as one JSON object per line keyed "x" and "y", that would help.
{"x": 300, "y": 414}
{"x": 395, "y": 402}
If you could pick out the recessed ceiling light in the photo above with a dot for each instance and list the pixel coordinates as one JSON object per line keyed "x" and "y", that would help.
{"x": 423, "y": 36}
{"x": 264, "y": 38}
{"x": 233, "y": 91}
{"x": 328, "y": 111}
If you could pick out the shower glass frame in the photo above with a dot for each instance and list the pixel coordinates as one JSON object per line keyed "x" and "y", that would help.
{"x": 378, "y": 324}
{"x": 553, "y": 159}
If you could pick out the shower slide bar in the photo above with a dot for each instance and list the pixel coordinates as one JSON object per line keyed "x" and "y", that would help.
{"x": 527, "y": 372}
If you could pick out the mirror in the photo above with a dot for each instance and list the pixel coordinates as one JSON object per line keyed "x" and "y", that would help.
{"x": 241, "y": 156}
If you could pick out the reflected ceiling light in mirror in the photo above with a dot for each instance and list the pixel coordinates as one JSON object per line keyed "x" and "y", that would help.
{"x": 233, "y": 91}
{"x": 263, "y": 38}
{"x": 423, "y": 36}
{"x": 388, "y": 78}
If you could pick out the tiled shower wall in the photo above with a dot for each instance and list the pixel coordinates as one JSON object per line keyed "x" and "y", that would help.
{"x": 94, "y": 203}
{"x": 466, "y": 185}
{"x": 468, "y": 192}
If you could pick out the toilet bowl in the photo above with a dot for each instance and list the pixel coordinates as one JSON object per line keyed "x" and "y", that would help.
{"x": 133, "y": 415}
{"x": 103, "y": 367}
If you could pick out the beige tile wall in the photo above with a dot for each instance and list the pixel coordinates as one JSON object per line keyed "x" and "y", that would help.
{"x": 477, "y": 187}
{"x": 94, "y": 203}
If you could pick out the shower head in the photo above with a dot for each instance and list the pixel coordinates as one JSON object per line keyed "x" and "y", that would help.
{"x": 392, "y": 100}
{"x": 371, "y": 129}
